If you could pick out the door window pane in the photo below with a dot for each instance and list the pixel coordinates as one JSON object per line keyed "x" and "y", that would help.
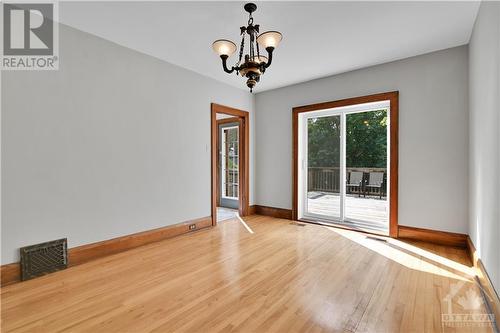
{"x": 323, "y": 166}
{"x": 366, "y": 168}
{"x": 230, "y": 162}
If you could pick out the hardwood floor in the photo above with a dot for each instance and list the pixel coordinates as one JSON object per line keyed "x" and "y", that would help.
{"x": 269, "y": 275}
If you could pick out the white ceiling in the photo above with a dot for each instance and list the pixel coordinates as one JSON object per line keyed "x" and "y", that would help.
{"x": 319, "y": 38}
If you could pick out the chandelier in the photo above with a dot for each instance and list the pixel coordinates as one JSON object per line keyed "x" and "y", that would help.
{"x": 254, "y": 64}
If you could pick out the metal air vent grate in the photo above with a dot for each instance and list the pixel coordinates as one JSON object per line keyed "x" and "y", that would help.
{"x": 377, "y": 239}
{"x": 43, "y": 258}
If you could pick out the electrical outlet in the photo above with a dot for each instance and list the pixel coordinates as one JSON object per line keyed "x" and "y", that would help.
{"x": 192, "y": 226}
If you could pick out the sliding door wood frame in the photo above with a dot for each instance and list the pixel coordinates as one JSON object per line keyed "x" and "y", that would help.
{"x": 393, "y": 98}
{"x": 244, "y": 156}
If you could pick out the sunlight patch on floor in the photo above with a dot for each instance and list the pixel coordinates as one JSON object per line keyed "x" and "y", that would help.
{"x": 412, "y": 261}
{"x": 244, "y": 223}
{"x": 432, "y": 256}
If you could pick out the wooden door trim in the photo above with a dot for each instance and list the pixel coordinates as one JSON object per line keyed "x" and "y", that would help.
{"x": 227, "y": 120}
{"x": 393, "y": 98}
{"x": 244, "y": 160}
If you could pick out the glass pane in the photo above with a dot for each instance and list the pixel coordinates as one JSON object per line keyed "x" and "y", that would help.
{"x": 230, "y": 162}
{"x": 366, "y": 169}
{"x": 232, "y": 135}
{"x": 323, "y": 169}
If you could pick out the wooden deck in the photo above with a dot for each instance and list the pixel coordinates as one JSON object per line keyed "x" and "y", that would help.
{"x": 373, "y": 212}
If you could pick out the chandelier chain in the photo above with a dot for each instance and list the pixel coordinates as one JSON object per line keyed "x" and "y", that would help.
{"x": 258, "y": 52}
{"x": 252, "y": 52}
{"x": 242, "y": 46}
{"x": 252, "y": 31}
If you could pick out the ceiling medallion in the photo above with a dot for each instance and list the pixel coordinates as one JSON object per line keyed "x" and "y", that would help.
{"x": 254, "y": 64}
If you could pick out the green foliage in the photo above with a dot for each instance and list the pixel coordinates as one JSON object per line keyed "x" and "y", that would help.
{"x": 324, "y": 141}
{"x": 366, "y": 142}
{"x": 232, "y": 147}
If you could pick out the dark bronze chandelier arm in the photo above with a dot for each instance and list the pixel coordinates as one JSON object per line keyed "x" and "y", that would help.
{"x": 224, "y": 64}
{"x": 269, "y": 56}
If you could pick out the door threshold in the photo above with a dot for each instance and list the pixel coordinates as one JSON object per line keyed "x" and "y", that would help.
{"x": 346, "y": 226}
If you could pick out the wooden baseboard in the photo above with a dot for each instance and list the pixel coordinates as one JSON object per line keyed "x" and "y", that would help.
{"x": 471, "y": 249}
{"x": 11, "y": 273}
{"x": 433, "y": 236}
{"x": 486, "y": 285}
{"x": 405, "y": 232}
{"x": 279, "y": 213}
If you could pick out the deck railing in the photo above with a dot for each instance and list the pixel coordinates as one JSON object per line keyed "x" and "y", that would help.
{"x": 327, "y": 179}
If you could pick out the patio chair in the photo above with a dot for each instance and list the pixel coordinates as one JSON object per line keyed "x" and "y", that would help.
{"x": 355, "y": 181}
{"x": 375, "y": 182}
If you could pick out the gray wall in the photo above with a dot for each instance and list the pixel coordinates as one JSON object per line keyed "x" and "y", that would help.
{"x": 114, "y": 142}
{"x": 484, "y": 160}
{"x": 433, "y": 134}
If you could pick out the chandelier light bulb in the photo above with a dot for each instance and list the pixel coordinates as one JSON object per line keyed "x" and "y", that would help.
{"x": 224, "y": 47}
{"x": 269, "y": 39}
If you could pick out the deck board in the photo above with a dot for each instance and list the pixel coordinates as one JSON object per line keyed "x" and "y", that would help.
{"x": 373, "y": 212}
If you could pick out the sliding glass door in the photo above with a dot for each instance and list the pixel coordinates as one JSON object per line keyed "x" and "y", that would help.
{"x": 343, "y": 166}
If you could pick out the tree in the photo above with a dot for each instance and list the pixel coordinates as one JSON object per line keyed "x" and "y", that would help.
{"x": 324, "y": 141}
{"x": 366, "y": 140}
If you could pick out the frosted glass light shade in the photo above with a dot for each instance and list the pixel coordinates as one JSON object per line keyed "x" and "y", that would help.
{"x": 259, "y": 59}
{"x": 269, "y": 39}
{"x": 224, "y": 47}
